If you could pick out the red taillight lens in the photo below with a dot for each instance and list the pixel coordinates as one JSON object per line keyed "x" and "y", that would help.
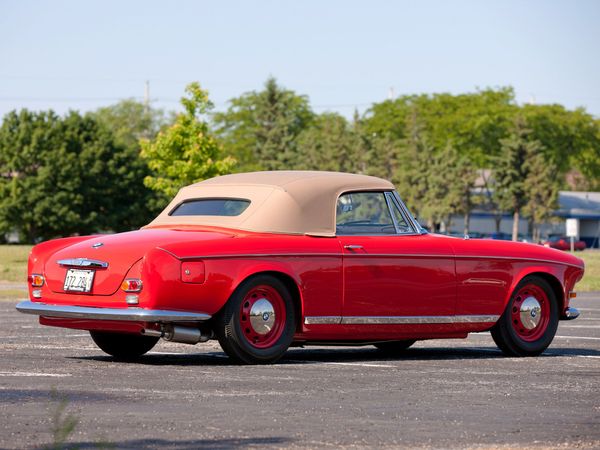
{"x": 131, "y": 285}
{"x": 36, "y": 280}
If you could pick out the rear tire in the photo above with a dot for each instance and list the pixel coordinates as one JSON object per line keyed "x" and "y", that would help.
{"x": 529, "y": 321}
{"x": 123, "y": 346}
{"x": 257, "y": 324}
{"x": 395, "y": 347}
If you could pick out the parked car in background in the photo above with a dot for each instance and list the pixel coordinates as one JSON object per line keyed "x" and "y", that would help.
{"x": 267, "y": 260}
{"x": 563, "y": 243}
{"x": 500, "y": 236}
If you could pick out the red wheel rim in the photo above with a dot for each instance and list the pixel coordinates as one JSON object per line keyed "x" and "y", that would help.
{"x": 530, "y": 312}
{"x": 262, "y": 316}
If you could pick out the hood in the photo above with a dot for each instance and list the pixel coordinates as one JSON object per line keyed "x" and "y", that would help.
{"x": 510, "y": 249}
{"x": 120, "y": 252}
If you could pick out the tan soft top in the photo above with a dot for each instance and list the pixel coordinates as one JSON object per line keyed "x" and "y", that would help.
{"x": 290, "y": 202}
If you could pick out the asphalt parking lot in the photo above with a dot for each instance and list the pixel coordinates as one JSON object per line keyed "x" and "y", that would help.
{"x": 441, "y": 394}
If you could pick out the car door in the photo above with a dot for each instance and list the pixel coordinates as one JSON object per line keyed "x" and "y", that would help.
{"x": 393, "y": 271}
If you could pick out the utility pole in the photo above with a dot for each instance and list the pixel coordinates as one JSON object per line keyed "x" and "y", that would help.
{"x": 147, "y": 97}
{"x": 391, "y": 93}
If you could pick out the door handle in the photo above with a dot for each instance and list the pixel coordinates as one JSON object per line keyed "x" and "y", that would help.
{"x": 353, "y": 247}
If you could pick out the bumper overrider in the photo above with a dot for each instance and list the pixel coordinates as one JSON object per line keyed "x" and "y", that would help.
{"x": 123, "y": 314}
{"x": 570, "y": 314}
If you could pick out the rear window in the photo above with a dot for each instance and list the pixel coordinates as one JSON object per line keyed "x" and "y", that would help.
{"x": 211, "y": 207}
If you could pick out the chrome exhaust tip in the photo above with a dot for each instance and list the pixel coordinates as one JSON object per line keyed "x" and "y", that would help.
{"x": 177, "y": 333}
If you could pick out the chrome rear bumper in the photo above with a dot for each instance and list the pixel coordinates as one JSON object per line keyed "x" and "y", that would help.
{"x": 123, "y": 314}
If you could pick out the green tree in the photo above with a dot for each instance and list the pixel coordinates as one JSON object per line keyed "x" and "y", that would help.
{"x": 435, "y": 183}
{"x": 413, "y": 181}
{"x": 186, "y": 152}
{"x": 570, "y": 140}
{"x": 471, "y": 123}
{"x": 130, "y": 121}
{"x": 459, "y": 174}
{"x": 541, "y": 186}
{"x": 513, "y": 176}
{"x": 382, "y": 155}
{"x": 260, "y": 129}
{"x": 64, "y": 176}
{"x": 328, "y": 144}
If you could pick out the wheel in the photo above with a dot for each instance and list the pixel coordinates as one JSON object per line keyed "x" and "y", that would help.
{"x": 395, "y": 347}
{"x": 123, "y": 345}
{"x": 257, "y": 324}
{"x": 530, "y": 320}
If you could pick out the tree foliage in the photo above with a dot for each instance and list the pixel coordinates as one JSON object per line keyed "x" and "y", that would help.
{"x": 570, "y": 140}
{"x": 330, "y": 143}
{"x": 260, "y": 129}
{"x": 62, "y": 176}
{"x": 129, "y": 121}
{"x": 74, "y": 174}
{"x": 523, "y": 176}
{"x": 186, "y": 152}
{"x": 471, "y": 123}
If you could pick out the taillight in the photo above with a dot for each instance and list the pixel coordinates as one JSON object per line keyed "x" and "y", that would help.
{"x": 131, "y": 285}
{"x": 36, "y": 280}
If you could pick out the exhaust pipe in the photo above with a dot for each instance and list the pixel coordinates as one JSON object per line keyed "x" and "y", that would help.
{"x": 177, "y": 333}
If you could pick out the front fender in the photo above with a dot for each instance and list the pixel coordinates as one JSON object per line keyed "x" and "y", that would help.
{"x": 561, "y": 277}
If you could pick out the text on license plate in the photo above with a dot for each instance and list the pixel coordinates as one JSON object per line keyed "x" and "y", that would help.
{"x": 79, "y": 280}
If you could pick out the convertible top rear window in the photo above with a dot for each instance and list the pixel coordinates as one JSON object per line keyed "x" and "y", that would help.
{"x": 211, "y": 207}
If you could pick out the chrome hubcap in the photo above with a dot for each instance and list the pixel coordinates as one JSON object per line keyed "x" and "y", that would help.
{"x": 530, "y": 313}
{"x": 262, "y": 316}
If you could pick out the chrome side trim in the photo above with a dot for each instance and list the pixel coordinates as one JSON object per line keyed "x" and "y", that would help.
{"x": 485, "y": 281}
{"x": 357, "y": 320}
{"x": 368, "y": 255}
{"x": 254, "y": 255}
{"x": 322, "y": 320}
{"x": 125, "y": 314}
{"x": 516, "y": 258}
{"x": 82, "y": 262}
{"x": 399, "y": 320}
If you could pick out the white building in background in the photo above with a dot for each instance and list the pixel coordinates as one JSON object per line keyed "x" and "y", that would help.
{"x": 584, "y": 206}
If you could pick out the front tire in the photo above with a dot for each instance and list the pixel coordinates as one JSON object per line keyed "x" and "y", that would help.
{"x": 257, "y": 324}
{"x": 123, "y": 346}
{"x": 530, "y": 320}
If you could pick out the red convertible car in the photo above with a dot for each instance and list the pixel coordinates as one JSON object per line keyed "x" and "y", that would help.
{"x": 267, "y": 260}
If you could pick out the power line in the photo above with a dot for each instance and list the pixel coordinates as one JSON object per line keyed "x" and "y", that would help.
{"x": 145, "y": 99}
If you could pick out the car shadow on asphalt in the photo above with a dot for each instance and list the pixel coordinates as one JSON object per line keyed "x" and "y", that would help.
{"x": 189, "y": 444}
{"x": 8, "y": 395}
{"x": 342, "y": 355}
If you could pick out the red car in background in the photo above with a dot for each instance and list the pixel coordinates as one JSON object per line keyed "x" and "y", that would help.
{"x": 266, "y": 260}
{"x": 564, "y": 243}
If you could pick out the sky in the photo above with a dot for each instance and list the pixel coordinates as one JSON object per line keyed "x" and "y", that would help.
{"x": 344, "y": 55}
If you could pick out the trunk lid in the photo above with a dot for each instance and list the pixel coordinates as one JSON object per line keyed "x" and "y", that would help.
{"x": 119, "y": 251}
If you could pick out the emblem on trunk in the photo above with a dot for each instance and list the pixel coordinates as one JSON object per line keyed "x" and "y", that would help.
{"x": 98, "y": 244}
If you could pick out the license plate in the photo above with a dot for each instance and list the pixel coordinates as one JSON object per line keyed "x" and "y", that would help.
{"x": 78, "y": 280}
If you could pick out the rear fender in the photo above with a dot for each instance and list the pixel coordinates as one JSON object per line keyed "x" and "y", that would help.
{"x": 275, "y": 268}
{"x": 245, "y": 270}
